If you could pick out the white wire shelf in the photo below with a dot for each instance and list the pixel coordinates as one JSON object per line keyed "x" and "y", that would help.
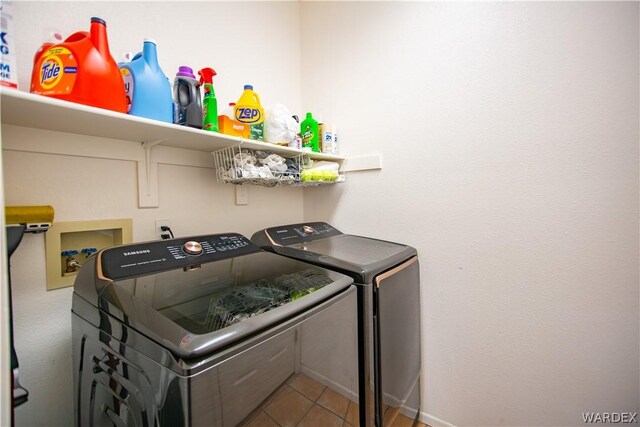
{"x": 238, "y": 165}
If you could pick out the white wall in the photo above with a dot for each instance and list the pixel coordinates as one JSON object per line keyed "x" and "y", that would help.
{"x": 510, "y": 141}
{"x": 87, "y": 189}
{"x": 245, "y": 42}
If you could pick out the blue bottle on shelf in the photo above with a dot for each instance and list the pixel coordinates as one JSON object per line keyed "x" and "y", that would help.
{"x": 148, "y": 89}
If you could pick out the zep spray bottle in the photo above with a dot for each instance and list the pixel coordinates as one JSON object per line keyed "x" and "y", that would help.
{"x": 209, "y": 103}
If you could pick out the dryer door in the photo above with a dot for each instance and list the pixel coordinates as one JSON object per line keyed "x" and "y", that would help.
{"x": 397, "y": 342}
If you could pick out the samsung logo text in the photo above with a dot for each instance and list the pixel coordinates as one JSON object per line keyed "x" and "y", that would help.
{"x": 145, "y": 251}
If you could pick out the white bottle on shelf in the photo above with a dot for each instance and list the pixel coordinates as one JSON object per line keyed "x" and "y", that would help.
{"x": 329, "y": 139}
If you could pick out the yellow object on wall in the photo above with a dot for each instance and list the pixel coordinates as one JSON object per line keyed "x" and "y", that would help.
{"x": 36, "y": 218}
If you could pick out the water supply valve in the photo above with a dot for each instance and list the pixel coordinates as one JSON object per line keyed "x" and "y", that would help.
{"x": 71, "y": 265}
{"x": 89, "y": 251}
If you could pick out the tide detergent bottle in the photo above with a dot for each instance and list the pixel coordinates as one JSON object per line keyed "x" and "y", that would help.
{"x": 249, "y": 111}
{"x": 147, "y": 87}
{"x": 80, "y": 69}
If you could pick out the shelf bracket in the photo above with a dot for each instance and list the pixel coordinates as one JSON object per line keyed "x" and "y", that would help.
{"x": 148, "y": 177}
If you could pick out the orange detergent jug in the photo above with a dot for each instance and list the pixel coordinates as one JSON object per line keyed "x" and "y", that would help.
{"x": 80, "y": 69}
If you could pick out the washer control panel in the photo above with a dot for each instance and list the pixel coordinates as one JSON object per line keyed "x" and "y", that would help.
{"x": 299, "y": 233}
{"x": 150, "y": 257}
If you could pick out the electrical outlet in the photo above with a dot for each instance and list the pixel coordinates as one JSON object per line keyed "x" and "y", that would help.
{"x": 162, "y": 223}
{"x": 242, "y": 195}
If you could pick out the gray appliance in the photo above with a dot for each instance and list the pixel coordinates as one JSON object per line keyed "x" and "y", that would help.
{"x": 20, "y": 395}
{"x": 207, "y": 331}
{"x": 387, "y": 277}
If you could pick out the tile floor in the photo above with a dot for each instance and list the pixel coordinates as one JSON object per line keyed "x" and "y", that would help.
{"x": 304, "y": 402}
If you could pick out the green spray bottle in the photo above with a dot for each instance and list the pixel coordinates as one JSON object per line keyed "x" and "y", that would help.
{"x": 209, "y": 103}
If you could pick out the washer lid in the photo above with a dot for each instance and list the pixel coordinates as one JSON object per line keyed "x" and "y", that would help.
{"x": 319, "y": 243}
{"x": 194, "y": 312}
{"x": 361, "y": 251}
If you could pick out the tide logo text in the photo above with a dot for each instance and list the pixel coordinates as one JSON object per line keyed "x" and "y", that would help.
{"x": 50, "y": 70}
{"x": 49, "y": 73}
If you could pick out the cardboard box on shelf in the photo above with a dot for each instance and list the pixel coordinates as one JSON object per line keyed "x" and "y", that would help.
{"x": 232, "y": 127}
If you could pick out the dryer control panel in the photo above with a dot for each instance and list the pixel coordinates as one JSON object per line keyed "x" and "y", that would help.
{"x": 151, "y": 257}
{"x": 288, "y": 235}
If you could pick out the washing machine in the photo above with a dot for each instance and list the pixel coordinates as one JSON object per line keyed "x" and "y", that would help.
{"x": 210, "y": 331}
{"x": 387, "y": 278}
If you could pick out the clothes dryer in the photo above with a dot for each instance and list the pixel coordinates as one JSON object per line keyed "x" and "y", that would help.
{"x": 387, "y": 278}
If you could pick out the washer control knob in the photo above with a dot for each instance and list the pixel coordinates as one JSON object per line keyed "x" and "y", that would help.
{"x": 308, "y": 229}
{"x": 192, "y": 248}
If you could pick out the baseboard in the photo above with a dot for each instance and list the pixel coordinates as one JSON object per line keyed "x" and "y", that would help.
{"x": 423, "y": 417}
{"x": 433, "y": 421}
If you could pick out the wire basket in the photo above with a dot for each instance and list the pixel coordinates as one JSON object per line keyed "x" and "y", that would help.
{"x": 302, "y": 282}
{"x": 235, "y": 305}
{"x": 236, "y": 165}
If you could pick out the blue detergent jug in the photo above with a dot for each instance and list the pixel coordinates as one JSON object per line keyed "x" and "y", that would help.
{"x": 148, "y": 89}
